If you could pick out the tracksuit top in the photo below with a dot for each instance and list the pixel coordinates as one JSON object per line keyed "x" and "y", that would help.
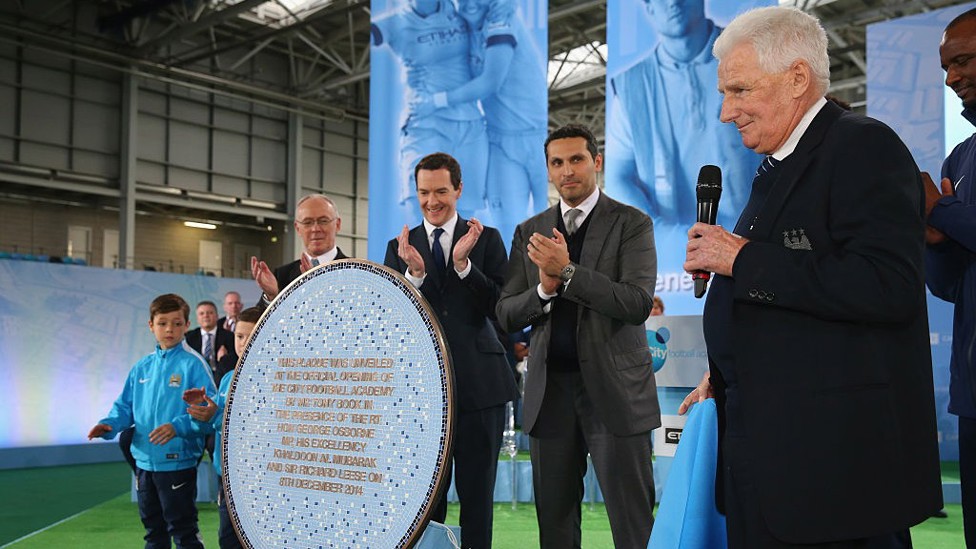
{"x": 153, "y": 396}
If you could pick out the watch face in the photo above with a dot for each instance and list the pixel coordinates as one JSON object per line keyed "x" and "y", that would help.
{"x": 568, "y": 271}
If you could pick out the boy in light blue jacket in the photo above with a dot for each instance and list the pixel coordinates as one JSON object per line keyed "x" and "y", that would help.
{"x": 167, "y": 443}
{"x": 210, "y": 413}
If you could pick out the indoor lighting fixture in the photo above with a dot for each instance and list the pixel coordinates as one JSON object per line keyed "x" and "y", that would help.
{"x": 198, "y": 225}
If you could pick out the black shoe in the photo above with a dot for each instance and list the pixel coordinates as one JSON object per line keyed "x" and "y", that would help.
{"x": 941, "y": 513}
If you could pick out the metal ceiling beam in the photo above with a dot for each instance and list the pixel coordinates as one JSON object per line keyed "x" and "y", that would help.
{"x": 190, "y": 29}
{"x": 575, "y": 8}
{"x": 597, "y": 81}
{"x": 178, "y": 76}
{"x": 135, "y": 11}
{"x": 245, "y": 41}
{"x": 852, "y": 56}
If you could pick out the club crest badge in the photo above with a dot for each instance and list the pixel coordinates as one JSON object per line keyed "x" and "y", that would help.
{"x": 796, "y": 239}
{"x": 176, "y": 380}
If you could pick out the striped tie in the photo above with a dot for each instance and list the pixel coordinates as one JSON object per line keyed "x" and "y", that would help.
{"x": 208, "y": 349}
{"x": 768, "y": 166}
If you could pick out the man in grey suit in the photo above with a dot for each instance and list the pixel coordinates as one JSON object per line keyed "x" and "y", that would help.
{"x": 582, "y": 274}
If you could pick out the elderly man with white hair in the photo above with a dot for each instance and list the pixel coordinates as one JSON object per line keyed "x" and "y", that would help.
{"x": 816, "y": 321}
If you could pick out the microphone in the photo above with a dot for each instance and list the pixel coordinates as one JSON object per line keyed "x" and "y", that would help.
{"x": 708, "y": 190}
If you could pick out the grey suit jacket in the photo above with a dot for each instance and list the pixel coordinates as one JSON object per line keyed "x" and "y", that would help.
{"x": 613, "y": 285}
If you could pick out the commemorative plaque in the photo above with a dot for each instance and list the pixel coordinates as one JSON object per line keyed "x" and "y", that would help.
{"x": 337, "y": 425}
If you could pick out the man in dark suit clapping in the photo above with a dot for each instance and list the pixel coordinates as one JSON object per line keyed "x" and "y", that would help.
{"x": 458, "y": 265}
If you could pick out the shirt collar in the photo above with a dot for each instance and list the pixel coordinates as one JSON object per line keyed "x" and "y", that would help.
{"x": 448, "y": 226}
{"x": 326, "y": 257}
{"x": 163, "y": 353}
{"x": 586, "y": 206}
{"x": 801, "y": 128}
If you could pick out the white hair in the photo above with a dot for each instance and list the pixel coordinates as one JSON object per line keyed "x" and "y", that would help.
{"x": 780, "y": 36}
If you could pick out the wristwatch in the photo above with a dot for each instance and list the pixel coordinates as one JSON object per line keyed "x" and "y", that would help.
{"x": 567, "y": 273}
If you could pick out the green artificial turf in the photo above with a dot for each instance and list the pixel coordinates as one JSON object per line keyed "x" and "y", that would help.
{"x": 116, "y": 524}
{"x": 950, "y": 471}
{"x": 34, "y": 499}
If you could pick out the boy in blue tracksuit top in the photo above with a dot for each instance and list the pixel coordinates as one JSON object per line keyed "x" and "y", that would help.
{"x": 167, "y": 443}
{"x": 210, "y": 412}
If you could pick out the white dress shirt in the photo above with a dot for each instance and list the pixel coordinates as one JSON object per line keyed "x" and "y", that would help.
{"x": 446, "y": 240}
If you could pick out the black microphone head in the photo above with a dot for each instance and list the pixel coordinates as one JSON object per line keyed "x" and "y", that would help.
{"x": 709, "y": 186}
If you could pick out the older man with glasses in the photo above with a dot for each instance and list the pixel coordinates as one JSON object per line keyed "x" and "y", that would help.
{"x": 317, "y": 221}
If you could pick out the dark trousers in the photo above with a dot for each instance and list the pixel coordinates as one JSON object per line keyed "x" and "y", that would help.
{"x": 168, "y": 509}
{"x": 567, "y": 429}
{"x": 477, "y": 442}
{"x": 744, "y": 520}
{"x": 226, "y": 535}
{"x": 967, "y": 477}
{"x": 125, "y": 444}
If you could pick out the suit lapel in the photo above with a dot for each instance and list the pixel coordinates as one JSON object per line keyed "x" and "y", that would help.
{"x": 544, "y": 226}
{"x": 552, "y": 221}
{"x": 418, "y": 239}
{"x": 600, "y": 222}
{"x": 793, "y": 168}
{"x": 460, "y": 229}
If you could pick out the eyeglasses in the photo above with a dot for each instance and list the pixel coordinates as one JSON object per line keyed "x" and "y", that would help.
{"x": 321, "y": 222}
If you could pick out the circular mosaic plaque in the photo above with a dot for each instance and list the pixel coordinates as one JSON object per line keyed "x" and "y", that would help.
{"x": 337, "y": 425}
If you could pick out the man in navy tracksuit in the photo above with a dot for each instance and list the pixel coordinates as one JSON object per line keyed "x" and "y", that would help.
{"x": 950, "y": 259}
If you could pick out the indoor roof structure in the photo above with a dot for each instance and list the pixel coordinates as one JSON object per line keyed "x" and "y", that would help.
{"x": 323, "y": 45}
{"x": 313, "y": 57}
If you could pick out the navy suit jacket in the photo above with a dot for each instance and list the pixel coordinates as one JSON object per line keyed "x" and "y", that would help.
{"x": 831, "y": 341}
{"x": 465, "y": 309}
{"x": 287, "y": 273}
{"x": 194, "y": 338}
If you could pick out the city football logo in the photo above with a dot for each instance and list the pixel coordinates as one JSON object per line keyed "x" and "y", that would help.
{"x": 658, "y": 343}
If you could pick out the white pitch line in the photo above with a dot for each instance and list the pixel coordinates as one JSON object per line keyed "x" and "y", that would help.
{"x": 48, "y": 527}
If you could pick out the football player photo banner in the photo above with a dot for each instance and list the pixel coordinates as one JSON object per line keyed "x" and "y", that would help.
{"x": 467, "y": 78}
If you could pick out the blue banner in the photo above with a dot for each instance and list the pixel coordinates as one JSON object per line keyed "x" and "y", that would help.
{"x": 468, "y": 79}
{"x": 663, "y": 124}
{"x": 70, "y": 335}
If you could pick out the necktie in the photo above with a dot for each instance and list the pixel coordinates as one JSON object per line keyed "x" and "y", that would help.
{"x": 229, "y": 325}
{"x": 761, "y": 186}
{"x": 208, "y": 349}
{"x": 767, "y": 167}
{"x": 438, "y": 252}
{"x": 315, "y": 262}
{"x": 571, "y": 220}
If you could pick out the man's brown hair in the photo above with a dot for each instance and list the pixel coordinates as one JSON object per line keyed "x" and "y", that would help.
{"x": 440, "y": 161}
